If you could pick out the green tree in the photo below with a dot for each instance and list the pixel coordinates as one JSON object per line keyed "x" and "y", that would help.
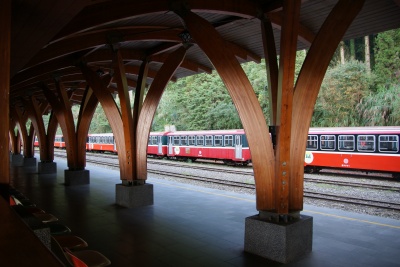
{"x": 342, "y": 90}
{"x": 381, "y": 108}
{"x": 387, "y": 58}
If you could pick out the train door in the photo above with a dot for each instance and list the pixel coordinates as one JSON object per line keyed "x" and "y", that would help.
{"x": 159, "y": 143}
{"x": 170, "y": 148}
{"x": 238, "y": 146}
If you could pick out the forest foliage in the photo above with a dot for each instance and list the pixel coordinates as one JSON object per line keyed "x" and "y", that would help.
{"x": 352, "y": 93}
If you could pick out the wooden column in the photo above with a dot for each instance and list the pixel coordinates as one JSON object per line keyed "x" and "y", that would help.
{"x": 288, "y": 47}
{"x": 150, "y": 105}
{"x": 126, "y": 114}
{"x": 308, "y": 85}
{"x": 5, "y": 32}
{"x": 15, "y": 139}
{"x": 137, "y": 109}
{"x": 88, "y": 107}
{"x": 27, "y": 139}
{"x": 35, "y": 114}
{"x": 75, "y": 139}
{"x": 62, "y": 110}
{"x": 99, "y": 87}
{"x": 246, "y": 103}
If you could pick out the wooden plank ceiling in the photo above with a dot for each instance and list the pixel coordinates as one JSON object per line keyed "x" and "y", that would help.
{"x": 51, "y": 37}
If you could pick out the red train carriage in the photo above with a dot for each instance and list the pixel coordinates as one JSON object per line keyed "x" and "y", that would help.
{"x": 358, "y": 148}
{"x": 36, "y": 142}
{"x": 229, "y": 146}
{"x": 59, "y": 141}
{"x": 366, "y": 148}
{"x": 157, "y": 145}
{"x": 101, "y": 143}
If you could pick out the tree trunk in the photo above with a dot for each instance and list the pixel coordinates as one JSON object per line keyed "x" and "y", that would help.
{"x": 367, "y": 55}
{"x": 342, "y": 53}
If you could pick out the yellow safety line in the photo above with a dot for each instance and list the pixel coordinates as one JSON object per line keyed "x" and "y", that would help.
{"x": 353, "y": 219}
{"x": 310, "y": 211}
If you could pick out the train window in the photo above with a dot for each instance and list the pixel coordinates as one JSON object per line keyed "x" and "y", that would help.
{"x": 346, "y": 142}
{"x": 388, "y": 143}
{"x": 218, "y": 140}
{"x": 184, "y": 140}
{"x": 228, "y": 140}
{"x": 200, "y": 140}
{"x": 328, "y": 142}
{"x": 176, "y": 140}
{"x": 209, "y": 140}
{"x": 149, "y": 142}
{"x": 366, "y": 143}
{"x": 312, "y": 142}
{"x": 191, "y": 140}
{"x": 152, "y": 140}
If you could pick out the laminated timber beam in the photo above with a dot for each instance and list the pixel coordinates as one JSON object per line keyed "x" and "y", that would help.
{"x": 99, "y": 86}
{"x": 20, "y": 119}
{"x": 308, "y": 85}
{"x": 246, "y": 103}
{"x": 62, "y": 110}
{"x": 45, "y": 140}
{"x": 291, "y": 14}
{"x": 150, "y": 105}
{"x": 126, "y": 113}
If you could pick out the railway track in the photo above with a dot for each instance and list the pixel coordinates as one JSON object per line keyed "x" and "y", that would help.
{"x": 311, "y": 178}
{"x": 307, "y": 193}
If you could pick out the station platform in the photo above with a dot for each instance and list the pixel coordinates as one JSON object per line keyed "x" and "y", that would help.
{"x": 196, "y": 226}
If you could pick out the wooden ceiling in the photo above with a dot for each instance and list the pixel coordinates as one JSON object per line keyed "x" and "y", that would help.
{"x": 50, "y": 38}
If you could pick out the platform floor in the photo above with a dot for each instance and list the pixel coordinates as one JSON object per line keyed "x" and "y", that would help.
{"x": 196, "y": 226}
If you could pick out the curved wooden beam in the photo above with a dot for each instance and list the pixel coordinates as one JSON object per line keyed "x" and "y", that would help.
{"x": 91, "y": 18}
{"x": 27, "y": 140}
{"x": 308, "y": 85}
{"x": 51, "y": 134}
{"x": 305, "y": 35}
{"x": 246, "y": 104}
{"x": 22, "y": 133}
{"x": 85, "y": 41}
{"x": 150, "y": 106}
{"x": 62, "y": 109}
{"x": 88, "y": 107}
{"x": 35, "y": 115}
{"x": 271, "y": 64}
{"x": 113, "y": 115}
{"x": 126, "y": 111}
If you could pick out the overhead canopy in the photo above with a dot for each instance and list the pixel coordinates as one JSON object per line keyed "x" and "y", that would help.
{"x": 49, "y": 39}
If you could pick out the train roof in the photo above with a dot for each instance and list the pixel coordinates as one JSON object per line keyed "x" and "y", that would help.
{"x": 356, "y": 130}
{"x": 101, "y": 134}
{"x": 208, "y": 132}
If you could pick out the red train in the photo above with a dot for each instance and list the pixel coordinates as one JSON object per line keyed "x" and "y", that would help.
{"x": 357, "y": 148}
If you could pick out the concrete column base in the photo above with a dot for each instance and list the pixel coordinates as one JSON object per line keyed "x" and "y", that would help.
{"x": 131, "y": 196}
{"x": 281, "y": 242}
{"x": 47, "y": 167}
{"x": 29, "y": 162}
{"x": 17, "y": 160}
{"x": 76, "y": 177}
